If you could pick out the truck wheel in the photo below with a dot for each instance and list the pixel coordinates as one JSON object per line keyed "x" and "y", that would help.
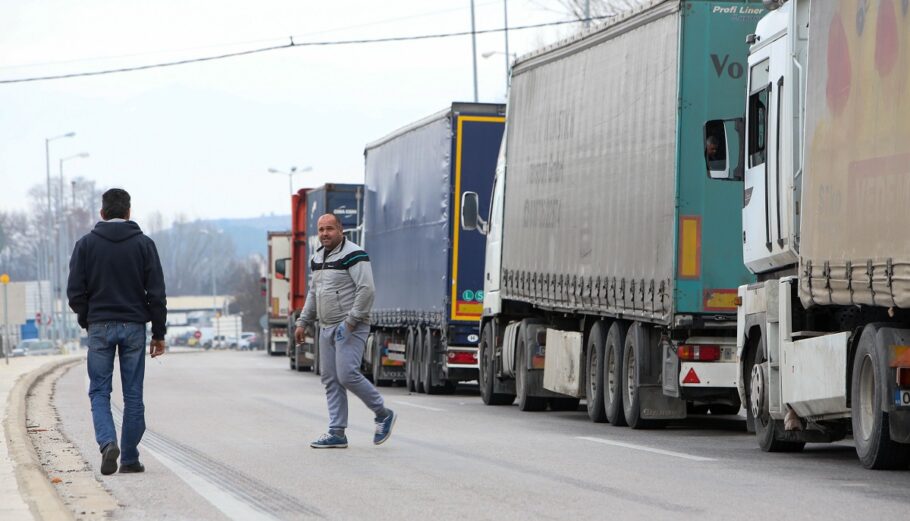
{"x": 757, "y": 397}
{"x": 429, "y": 353}
{"x": 594, "y": 364}
{"x": 410, "y": 363}
{"x": 487, "y": 372}
{"x": 419, "y": 368}
{"x": 292, "y": 358}
{"x": 522, "y": 377}
{"x": 871, "y": 428}
{"x": 631, "y": 400}
{"x": 613, "y": 350}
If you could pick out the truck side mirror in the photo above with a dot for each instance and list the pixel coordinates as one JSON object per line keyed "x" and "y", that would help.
{"x": 723, "y": 148}
{"x": 281, "y": 267}
{"x": 470, "y": 213}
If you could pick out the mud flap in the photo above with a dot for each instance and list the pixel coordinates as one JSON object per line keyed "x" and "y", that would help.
{"x": 655, "y": 405}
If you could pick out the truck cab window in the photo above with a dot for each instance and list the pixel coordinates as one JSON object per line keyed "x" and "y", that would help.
{"x": 758, "y": 113}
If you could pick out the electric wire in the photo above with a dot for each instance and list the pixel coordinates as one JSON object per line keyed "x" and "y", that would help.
{"x": 290, "y": 45}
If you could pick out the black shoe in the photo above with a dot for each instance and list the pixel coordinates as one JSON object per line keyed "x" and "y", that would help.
{"x": 109, "y": 455}
{"x": 132, "y": 468}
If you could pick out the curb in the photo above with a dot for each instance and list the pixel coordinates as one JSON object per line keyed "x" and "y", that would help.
{"x": 34, "y": 486}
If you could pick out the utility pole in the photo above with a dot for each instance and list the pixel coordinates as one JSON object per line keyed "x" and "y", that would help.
{"x": 4, "y": 279}
{"x": 505, "y": 32}
{"x": 474, "y": 49}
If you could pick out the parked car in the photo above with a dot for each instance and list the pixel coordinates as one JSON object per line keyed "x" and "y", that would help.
{"x": 253, "y": 341}
{"x": 35, "y": 347}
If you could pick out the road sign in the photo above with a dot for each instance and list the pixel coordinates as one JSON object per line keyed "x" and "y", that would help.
{"x": 197, "y": 335}
{"x": 4, "y": 279}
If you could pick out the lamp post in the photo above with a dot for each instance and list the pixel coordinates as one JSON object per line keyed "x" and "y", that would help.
{"x": 474, "y": 49}
{"x": 63, "y": 240}
{"x": 290, "y": 175}
{"x": 4, "y": 279}
{"x": 47, "y": 247}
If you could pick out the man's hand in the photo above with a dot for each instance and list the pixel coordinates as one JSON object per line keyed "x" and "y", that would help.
{"x": 299, "y": 334}
{"x": 156, "y": 348}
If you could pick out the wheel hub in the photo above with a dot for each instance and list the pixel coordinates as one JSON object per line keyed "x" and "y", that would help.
{"x": 757, "y": 391}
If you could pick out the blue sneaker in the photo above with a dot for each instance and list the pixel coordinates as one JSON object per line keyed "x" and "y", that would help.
{"x": 384, "y": 428}
{"x": 330, "y": 441}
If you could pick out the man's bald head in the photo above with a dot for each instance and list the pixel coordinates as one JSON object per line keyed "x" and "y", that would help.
{"x": 330, "y": 231}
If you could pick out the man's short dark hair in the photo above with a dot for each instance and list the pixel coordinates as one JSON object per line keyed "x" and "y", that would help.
{"x": 115, "y": 204}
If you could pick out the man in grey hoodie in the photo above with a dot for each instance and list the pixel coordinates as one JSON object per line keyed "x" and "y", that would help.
{"x": 340, "y": 297}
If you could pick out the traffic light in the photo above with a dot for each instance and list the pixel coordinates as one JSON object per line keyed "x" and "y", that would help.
{"x": 263, "y": 286}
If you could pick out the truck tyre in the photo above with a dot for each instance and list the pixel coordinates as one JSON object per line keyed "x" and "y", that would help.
{"x": 525, "y": 401}
{"x": 631, "y": 400}
{"x": 871, "y": 428}
{"x": 429, "y": 353}
{"x": 292, "y": 358}
{"x": 757, "y": 397}
{"x": 418, "y": 366}
{"x": 594, "y": 374}
{"x": 410, "y": 363}
{"x": 613, "y": 351}
{"x": 487, "y": 372}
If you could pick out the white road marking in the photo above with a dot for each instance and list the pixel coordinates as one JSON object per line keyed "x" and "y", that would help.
{"x": 646, "y": 449}
{"x": 226, "y": 503}
{"x": 425, "y": 407}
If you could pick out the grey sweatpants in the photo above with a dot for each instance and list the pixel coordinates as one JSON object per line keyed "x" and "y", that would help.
{"x": 341, "y": 373}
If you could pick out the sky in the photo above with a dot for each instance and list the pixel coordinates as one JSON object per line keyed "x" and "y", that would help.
{"x": 197, "y": 140}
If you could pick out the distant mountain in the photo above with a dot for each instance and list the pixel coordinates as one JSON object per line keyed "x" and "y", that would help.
{"x": 249, "y": 235}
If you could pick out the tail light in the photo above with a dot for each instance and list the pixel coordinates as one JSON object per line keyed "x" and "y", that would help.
{"x": 903, "y": 377}
{"x": 462, "y": 357}
{"x": 698, "y": 353}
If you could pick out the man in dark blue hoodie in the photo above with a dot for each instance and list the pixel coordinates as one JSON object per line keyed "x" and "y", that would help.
{"x": 115, "y": 287}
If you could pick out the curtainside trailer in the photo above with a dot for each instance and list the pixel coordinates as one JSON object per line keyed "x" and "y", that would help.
{"x": 612, "y": 261}
{"x": 428, "y": 275}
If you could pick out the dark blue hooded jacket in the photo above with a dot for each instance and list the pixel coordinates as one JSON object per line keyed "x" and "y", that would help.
{"x": 115, "y": 276}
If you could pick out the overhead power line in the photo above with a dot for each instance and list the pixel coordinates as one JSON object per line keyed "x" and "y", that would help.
{"x": 290, "y": 45}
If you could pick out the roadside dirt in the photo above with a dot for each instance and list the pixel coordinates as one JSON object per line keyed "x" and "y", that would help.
{"x": 71, "y": 475}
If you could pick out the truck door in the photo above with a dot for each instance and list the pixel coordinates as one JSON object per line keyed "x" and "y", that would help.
{"x": 493, "y": 255}
{"x": 767, "y": 187}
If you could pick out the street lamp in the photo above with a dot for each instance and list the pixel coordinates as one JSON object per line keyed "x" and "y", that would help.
{"x": 291, "y": 174}
{"x": 47, "y": 247}
{"x": 62, "y": 242}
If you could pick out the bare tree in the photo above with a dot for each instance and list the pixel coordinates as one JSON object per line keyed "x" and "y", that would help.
{"x": 191, "y": 254}
{"x": 246, "y": 290}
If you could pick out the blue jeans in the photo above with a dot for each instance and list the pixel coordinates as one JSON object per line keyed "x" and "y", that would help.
{"x": 104, "y": 341}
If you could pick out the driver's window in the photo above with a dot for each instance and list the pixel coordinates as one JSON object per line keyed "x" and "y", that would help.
{"x": 716, "y": 146}
{"x": 760, "y": 89}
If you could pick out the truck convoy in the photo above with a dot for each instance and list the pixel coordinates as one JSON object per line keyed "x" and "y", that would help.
{"x": 428, "y": 275}
{"x": 611, "y": 260}
{"x": 278, "y": 292}
{"x": 345, "y": 201}
{"x": 823, "y": 339}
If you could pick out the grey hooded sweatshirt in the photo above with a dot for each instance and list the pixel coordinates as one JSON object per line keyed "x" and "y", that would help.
{"x": 341, "y": 287}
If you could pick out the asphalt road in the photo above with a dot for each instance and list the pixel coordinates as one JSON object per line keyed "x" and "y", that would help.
{"x": 228, "y": 436}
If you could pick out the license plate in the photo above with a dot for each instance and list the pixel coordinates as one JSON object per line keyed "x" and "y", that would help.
{"x": 902, "y": 398}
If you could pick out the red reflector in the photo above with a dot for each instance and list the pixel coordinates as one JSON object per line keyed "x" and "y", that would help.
{"x": 691, "y": 378}
{"x": 698, "y": 353}
{"x": 903, "y": 377}
{"x": 538, "y": 362}
{"x": 462, "y": 357}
